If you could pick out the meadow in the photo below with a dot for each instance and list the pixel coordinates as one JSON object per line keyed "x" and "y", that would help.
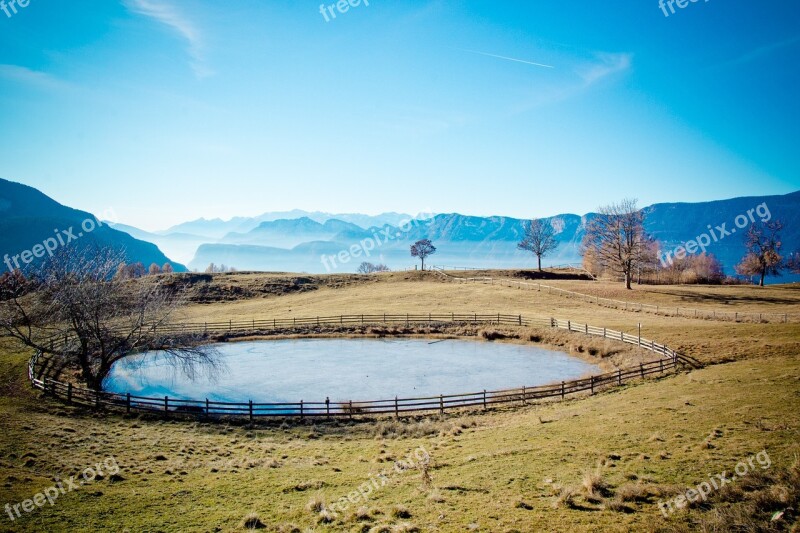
{"x": 599, "y": 463}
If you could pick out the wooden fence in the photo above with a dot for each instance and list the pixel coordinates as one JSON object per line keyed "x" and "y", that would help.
{"x": 664, "y": 310}
{"x": 670, "y": 360}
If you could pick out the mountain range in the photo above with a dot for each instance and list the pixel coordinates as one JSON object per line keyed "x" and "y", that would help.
{"x": 302, "y": 244}
{"x": 318, "y": 242}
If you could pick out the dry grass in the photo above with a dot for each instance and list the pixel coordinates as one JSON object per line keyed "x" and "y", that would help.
{"x": 650, "y": 435}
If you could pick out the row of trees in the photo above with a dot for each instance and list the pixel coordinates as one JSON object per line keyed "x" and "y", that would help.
{"x": 615, "y": 242}
{"x": 219, "y": 269}
{"x": 371, "y": 268}
{"x": 137, "y": 270}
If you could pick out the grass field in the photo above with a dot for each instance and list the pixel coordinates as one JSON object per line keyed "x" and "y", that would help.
{"x": 600, "y": 463}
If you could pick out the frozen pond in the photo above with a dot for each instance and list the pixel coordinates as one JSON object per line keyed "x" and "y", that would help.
{"x": 350, "y": 369}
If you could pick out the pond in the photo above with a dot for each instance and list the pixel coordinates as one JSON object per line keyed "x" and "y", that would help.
{"x": 349, "y": 369}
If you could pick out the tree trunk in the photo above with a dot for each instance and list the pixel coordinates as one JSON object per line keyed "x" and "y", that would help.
{"x": 628, "y": 280}
{"x": 763, "y": 274}
{"x": 423, "y": 263}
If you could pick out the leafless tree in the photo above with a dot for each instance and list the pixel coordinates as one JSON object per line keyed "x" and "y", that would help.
{"x": 167, "y": 269}
{"x": 81, "y": 315}
{"x": 763, "y": 257}
{"x": 422, "y": 249}
{"x": 540, "y": 239}
{"x": 154, "y": 269}
{"x": 615, "y": 239}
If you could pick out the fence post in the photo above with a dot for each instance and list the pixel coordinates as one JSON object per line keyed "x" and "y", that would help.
{"x": 591, "y": 380}
{"x": 69, "y": 392}
{"x": 562, "y": 390}
{"x": 524, "y": 395}
{"x": 351, "y": 409}
{"x": 661, "y": 365}
{"x": 230, "y": 326}
{"x": 250, "y": 409}
{"x": 302, "y": 411}
{"x": 520, "y": 320}
{"x": 586, "y": 328}
{"x": 640, "y": 334}
{"x": 396, "y": 408}
{"x": 208, "y": 407}
{"x": 441, "y": 403}
{"x": 128, "y": 403}
{"x": 641, "y": 368}
{"x": 604, "y": 333}
{"x": 569, "y": 325}
{"x": 328, "y": 406}
{"x": 166, "y": 404}
{"x": 484, "y": 398}
{"x": 619, "y": 376}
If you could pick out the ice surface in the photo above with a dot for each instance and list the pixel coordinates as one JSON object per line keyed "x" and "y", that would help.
{"x": 350, "y": 369}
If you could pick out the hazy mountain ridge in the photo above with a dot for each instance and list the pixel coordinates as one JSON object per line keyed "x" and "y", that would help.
{"x": 473, "y": 241}
{"x": 217, "y": 228}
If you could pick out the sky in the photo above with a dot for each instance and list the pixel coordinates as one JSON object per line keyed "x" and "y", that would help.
{"x": 154, "y": 112}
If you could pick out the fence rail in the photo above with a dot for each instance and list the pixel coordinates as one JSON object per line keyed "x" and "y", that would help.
{"x": 664, "y": 310}
{"x": 670, "y": 360}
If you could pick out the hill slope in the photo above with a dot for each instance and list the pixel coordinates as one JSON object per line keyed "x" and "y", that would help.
{"x": 31, "y": 223}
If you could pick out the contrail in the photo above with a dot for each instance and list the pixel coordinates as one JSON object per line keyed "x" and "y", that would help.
{"x": 506, "y": 58}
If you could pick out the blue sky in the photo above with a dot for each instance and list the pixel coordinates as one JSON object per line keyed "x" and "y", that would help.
{"x": 162, "y": 111}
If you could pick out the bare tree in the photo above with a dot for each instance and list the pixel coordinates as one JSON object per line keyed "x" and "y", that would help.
{"x": 615, "y": 239}
{"x": 77, "y": 312}
{"x": 154, "y": 269}
{"x": 167, "y": 269}
{"x": 540, "y": 239}
{"x": 422, "y": 249}
{"x": 763, "y": 257}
